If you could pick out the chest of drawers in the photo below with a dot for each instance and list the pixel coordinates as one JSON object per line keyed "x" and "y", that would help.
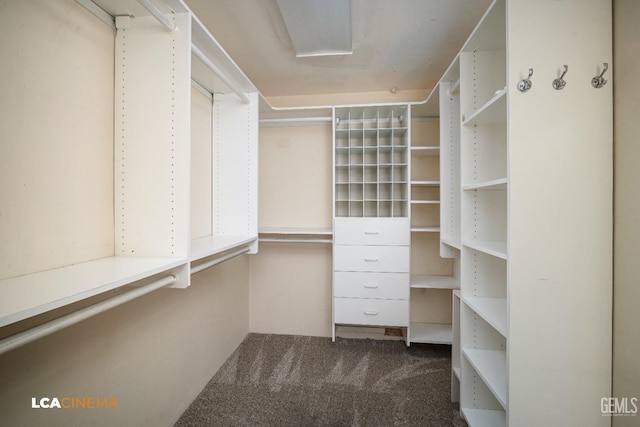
{"x": 371, "y": 272}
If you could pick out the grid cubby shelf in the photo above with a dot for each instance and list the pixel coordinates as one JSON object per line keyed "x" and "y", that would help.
{"x": 371, "y": 174}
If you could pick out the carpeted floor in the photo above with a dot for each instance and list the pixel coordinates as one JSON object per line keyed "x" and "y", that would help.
{"x": 282, "y": 380}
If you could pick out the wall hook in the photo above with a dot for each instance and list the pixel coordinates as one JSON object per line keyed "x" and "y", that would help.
{"x": 599, "y": 81}
{"x": 559, "y": 83}
{"x": 525, "y": 84}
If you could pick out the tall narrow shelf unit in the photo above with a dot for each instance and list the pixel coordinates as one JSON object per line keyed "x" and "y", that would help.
{"x": 430, "y": 282}
{"x": 371, "y": 216}
{"x": 532, "y": 185}
{"x": 154, "y": 72}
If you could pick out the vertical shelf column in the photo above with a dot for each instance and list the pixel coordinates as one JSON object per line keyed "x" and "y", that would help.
{"x": 151, "y": 170}
{"x": 235, "y": 201}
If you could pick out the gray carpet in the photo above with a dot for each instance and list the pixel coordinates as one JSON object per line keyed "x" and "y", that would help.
{"x": 282, "y": 380}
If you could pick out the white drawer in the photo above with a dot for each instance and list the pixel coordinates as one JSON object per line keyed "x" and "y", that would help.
{"x": 390, "y": 259}
{"x": 371, "y": 285}
{"x": 372, "y": 231}
{"x": 376, "y": 312}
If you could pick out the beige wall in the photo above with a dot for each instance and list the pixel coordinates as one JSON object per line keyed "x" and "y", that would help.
{"x": 291, "y": 283}
{"x": 56, "y": 123}
{"x": 626, "y": 317}
{"x": 154, "y": 354}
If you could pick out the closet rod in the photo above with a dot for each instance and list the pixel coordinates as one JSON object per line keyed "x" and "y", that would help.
{"x": 157, "y": 13}
{"x": 218, "y": 72}
{"x": 198, "y": 268}
{"x": 22, "y": 338}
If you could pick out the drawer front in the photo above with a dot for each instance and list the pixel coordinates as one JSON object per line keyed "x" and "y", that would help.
{"x": 372, "y": 231}
{"x": 374, "y": 312}
{"x": 371, "y": 285}
{"x": 390, "y": 259}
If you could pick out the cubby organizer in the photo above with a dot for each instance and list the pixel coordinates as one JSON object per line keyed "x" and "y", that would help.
{"x": 371, "y": 162}
{"x": 155, "y": 69}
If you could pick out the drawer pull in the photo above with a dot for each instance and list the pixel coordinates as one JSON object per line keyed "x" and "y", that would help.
{"x": 371, "y": 233}
{"x": 372, "y": 286}
{"x": 371, "y": 259}
{"x": 370, "y": 313}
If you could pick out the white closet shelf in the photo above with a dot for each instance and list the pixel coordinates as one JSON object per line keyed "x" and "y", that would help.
{"x": 494, "y": 184}
{"x": 211, "y": 245}
{"x": 312, "y": 231}
{"x": 491, "y": 365}
{"x": 431, "y": 333}
{"x": 296, "y": 234}
{"x": 425, "y": 202}
{"x": 492, "y": 310}
{"x": 424, "y": 281}
{"x": 33, "y": 294}
{"x": 425, "y": 151}
{"x": 425, "y": 183}
{"x": 492, "y": 112}
{"x": 496, "y": 248}
{"x": 484, "y": 417}
{"x": 425, "y": 229}
{"x": 452, "y": 241}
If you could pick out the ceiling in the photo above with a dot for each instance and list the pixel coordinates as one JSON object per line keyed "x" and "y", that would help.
{"x": 401, "y": 44}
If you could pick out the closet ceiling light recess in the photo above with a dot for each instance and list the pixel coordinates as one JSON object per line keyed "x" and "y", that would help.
{"x": 318, "y": 28}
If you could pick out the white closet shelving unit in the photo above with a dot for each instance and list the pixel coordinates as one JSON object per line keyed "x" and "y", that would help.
{"x": 426, "y": 289}
{"x": 371, "y": 216}
{"x": 154, "y": 71}
{"x": 526, "y": 196}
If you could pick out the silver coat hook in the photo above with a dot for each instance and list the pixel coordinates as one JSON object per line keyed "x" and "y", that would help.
{"x": 559, "y": 83}
{"x": 599, "y": 81}
{"x": 525, "y": 84}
